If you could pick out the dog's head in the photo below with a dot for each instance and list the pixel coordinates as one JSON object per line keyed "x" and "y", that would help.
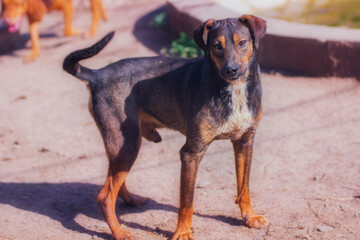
{"x": 12, "y": 13}
{"x": 230, "y": 43}
{"x": 14, "y": 10}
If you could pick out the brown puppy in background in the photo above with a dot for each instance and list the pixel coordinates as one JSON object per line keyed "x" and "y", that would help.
{"x": 217, "y": 96}
{"x": 34, "y": 10}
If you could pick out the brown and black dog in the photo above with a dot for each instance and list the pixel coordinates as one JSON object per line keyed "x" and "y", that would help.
{"x": 14, "y": 10}
{"x": 217, "y": 96}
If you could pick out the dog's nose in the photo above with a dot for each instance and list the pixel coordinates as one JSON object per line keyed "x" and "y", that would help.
{"x": 231, "y": 70}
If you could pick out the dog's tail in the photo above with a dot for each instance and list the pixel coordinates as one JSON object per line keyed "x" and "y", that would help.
{"x": 71, "y": 62}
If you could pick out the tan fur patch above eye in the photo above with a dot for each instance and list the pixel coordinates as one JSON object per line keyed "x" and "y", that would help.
{"x": 237, "y": 38}
{"x": 222, "y": 41}
{"x": 215, "y": 55}
{"x": 245, "y": 52}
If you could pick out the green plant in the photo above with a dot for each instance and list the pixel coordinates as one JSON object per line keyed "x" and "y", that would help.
{"x": 183, "y": 47}
{"x": 159, "y": 20}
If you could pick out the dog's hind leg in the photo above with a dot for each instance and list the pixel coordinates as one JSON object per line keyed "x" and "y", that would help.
{"x": 122, "y": 143}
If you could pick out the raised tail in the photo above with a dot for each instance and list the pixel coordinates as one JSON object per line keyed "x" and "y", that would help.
{"x": 71, "y": 62}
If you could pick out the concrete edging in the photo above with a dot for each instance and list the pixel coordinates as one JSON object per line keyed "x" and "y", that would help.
{"x": 298, "y": 48}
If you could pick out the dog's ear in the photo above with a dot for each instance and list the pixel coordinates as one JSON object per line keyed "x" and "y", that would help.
{"x": 35, "y": 10}
{"x": 201, "y": 33}
{"x": 256, "y": 25}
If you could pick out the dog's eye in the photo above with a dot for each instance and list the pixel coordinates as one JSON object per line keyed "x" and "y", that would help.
{"x": 242, "y": 43}
{"x": 217, "y": 45}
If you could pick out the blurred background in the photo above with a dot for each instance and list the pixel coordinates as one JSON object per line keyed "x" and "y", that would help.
{"x": 306, "y": 171}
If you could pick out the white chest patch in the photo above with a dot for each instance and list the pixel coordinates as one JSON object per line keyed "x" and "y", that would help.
{"x": 241, "y": 119}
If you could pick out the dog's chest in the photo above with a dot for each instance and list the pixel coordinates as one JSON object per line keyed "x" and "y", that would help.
{"x": 241, "y": 118}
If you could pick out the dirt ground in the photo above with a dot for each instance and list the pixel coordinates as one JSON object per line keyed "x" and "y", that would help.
{"x": 305, "y": 173}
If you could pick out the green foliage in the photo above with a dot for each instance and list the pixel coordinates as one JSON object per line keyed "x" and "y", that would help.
{"x": 160, "y": 20}
{"x": 183, "y": 47}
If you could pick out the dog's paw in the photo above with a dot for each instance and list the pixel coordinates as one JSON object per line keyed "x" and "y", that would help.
{"x": 72, "y": 32}
{"x": 88, "y": 34}
{"x": 257, "y": 221}
{"x": 31, "y": 57}
{"x": 182, "y": 236}
{"x": 125, "y": 236}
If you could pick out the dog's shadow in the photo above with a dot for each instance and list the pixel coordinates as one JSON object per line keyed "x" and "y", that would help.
{"x": 62, "y": 202}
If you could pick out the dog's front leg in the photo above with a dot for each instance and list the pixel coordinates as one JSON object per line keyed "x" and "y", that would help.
{"x": 98, "y": 12}
{"x": 35, "y": 48}
{"x": 243, "y": 150}
{"x": 68, "y": 11}
{"x": 190, "y": 160}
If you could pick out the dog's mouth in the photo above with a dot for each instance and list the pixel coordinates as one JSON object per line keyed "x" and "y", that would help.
{"x": 14, "y": 26}
{"x": 232, "y": 77}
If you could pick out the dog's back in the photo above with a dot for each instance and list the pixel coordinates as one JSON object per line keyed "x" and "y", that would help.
{"x": 159, "y": 84}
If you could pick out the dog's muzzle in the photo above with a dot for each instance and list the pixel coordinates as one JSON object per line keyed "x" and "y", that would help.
{"x": 232, "y": 72}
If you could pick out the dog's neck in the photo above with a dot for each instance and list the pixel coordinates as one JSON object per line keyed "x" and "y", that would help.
{"x": 240, "y": 118}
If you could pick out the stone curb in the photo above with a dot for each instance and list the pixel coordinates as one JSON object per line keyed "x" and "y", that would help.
{"x": 293, "y": 47}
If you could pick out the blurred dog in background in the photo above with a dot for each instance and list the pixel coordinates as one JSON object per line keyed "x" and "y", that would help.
{"x": 14, "y": 10}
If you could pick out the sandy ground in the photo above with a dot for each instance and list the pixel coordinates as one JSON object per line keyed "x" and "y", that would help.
{"x": 305, "y": 173}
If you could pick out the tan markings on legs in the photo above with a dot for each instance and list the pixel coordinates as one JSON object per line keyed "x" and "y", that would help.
{"x": 107, "y": 201}
{"x": 102, "y": 10}
{"x": 190, "y": 160}
{"x": 98, "y": 12}
{"x": 122, "y": 144}
{"x": 68, "y": 10}
{"x": 243, "y": 157}
{"x": 183, "y": 230}
{"x": 34, "y": 36}
{"x": 95, "y": 17}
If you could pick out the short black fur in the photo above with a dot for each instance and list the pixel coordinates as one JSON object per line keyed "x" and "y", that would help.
{"x": 197, "y": 97}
